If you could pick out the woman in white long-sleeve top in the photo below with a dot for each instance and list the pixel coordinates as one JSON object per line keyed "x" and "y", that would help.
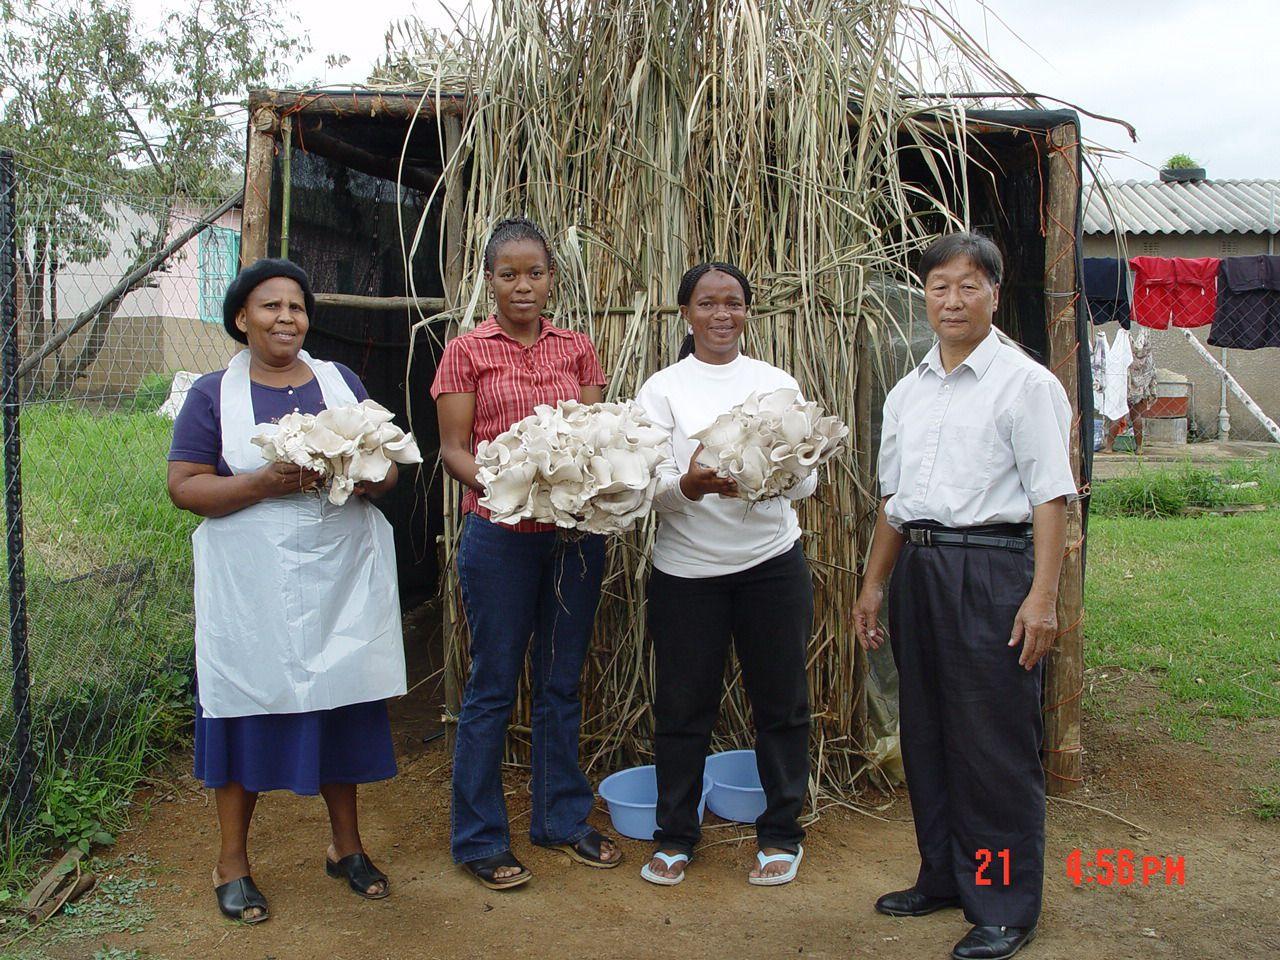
{"x": 724, "y": 571}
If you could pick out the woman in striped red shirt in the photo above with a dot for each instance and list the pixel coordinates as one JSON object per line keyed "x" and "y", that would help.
{"x": 519, "y": 581}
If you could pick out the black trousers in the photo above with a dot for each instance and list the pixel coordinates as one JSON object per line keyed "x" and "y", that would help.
{"x": 971, "y": 728}
{"x": 767, "y": 613}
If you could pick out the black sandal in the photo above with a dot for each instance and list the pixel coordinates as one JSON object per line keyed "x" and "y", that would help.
{"x": 484, "y": 870}
{"x": 360, "y": 874}
{"x": 587, "y": 850}
{"x": 235, "y": 897}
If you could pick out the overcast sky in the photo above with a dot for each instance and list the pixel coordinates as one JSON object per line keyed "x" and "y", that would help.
{"x": 1191, "y": 75}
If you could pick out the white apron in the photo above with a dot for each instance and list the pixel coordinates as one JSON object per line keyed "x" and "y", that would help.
{"x": 297, "y": 604}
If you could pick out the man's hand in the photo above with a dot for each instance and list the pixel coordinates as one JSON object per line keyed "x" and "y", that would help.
{"x": 1035, "y": 627}
{"x": 866, "y": 616}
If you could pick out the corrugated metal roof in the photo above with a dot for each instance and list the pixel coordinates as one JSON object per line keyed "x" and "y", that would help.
{"x": 1202, "y": 206}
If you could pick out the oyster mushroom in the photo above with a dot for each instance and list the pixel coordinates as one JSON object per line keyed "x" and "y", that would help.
{"x": 770, "y": 442}
{"x": 579, "y": 466}
{"x": 351, "y": 444}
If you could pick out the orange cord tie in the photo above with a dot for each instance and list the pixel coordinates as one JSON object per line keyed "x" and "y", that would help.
{"x": 1075, "y": 696}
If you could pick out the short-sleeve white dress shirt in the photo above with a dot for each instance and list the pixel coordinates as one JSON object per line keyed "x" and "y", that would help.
{"x": 983, "y": 444}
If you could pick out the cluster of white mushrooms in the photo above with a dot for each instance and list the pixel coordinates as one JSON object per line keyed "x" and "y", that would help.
{"x": 350, "y": 444}
{"x": 579, "y": 466}
{"x": 770, "y": 442}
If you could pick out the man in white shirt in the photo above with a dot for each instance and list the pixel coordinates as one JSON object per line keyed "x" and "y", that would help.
{"x": 975, "y": 477}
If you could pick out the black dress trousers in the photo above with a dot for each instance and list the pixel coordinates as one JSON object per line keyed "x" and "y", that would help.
{"x": 971, "y": 728}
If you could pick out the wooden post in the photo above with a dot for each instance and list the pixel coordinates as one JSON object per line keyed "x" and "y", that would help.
{"x": 1064, "y": 682}
{"x": 360, "y": 302}
{"x": 454, "y": 210}
{"x": 286, "y": 183}
{"x": 865, "y": 457}
{"x": 255, "y": 222}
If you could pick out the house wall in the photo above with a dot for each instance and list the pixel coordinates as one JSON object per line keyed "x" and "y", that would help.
{"x": 157, "y": 328}
{"x": 1258, "y": 371}
{"x": 191, "y": 344}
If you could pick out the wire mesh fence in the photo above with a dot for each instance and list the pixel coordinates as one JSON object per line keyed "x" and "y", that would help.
{"x": 1231, "y": 393}
{"x": 1215, "y": 341}
{"x": 111, "y": 306}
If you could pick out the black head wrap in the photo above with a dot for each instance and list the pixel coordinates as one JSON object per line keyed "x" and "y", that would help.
{"x": 254, "y": 274}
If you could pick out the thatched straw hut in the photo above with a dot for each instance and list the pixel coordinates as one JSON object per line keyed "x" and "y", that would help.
{"x": 794, "y": 138}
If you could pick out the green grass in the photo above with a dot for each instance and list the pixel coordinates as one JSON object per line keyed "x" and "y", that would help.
{"x": 1191, "y": 600}
{"x": 109, "y": 622}
{"x": 1266, "y": 802}
{"x": 1167, "y": 492}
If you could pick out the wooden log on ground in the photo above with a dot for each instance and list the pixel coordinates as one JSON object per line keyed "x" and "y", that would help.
{"x": 1064, "y": 682}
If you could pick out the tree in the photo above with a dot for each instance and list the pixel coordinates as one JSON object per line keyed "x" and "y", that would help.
{"x": 120, "y": 118}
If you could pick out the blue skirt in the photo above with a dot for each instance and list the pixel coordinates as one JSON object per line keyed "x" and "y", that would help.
{"x": 296, "y": 751}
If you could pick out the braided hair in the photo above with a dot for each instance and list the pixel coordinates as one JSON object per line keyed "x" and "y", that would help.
{"x": 690, "y": 280}
{"x": 511, "y": 230}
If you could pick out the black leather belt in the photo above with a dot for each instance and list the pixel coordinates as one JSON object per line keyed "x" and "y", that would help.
{"x": 933, "y": 536}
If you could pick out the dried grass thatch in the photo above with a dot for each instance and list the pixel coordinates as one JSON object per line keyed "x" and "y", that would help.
{"x": 647, "y": 135}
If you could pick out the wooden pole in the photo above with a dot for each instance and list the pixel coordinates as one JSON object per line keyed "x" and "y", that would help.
{"x": 1064, "y": 682}
{"x": 865, "y": 458}
{"x": 358, "y": 302}
{"x": 454, "y": 211}
{"x": 255, "y": 223}
{"x": 352, "y": 103}
{"x": 286, "y": 183}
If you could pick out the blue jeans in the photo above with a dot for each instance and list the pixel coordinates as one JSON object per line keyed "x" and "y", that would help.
{"x": 517, "y": 586}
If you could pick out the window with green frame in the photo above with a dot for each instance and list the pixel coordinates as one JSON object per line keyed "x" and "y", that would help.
{"x": 219, "y": 263}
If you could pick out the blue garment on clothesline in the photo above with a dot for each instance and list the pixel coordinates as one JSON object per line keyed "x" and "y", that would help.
{"x": 1106, "y": 290}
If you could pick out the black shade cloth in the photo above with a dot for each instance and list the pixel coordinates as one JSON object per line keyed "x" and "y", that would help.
{"x": 1248, "y": 311}
{"x": 1106, "y": 288}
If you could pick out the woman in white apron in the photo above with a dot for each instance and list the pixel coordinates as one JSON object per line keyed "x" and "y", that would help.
{"x": 298, "y": 640}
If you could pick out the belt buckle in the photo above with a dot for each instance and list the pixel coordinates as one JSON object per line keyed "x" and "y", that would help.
{"x": 922, "y": 536}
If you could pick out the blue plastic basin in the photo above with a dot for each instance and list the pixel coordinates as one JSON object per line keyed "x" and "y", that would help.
{"x": 736, "y": 793}
{"x": 632, "y": 797}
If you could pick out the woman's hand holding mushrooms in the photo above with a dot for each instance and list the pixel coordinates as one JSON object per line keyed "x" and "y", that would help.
{"x": 279, "y": 479}
{"x": 698, "y": 481}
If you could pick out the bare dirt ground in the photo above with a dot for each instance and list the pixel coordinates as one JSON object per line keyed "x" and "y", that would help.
{"x": 1181, "y": 800}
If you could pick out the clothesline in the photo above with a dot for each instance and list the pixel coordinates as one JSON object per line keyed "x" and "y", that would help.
{"x": 1238, "y": 296}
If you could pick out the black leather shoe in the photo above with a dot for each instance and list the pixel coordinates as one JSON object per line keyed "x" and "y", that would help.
{"x": 993, "y": 943}
{"x": 913, "y": 903}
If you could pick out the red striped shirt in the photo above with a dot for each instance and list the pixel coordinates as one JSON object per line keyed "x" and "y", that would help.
{"x": 510, "y": 379}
